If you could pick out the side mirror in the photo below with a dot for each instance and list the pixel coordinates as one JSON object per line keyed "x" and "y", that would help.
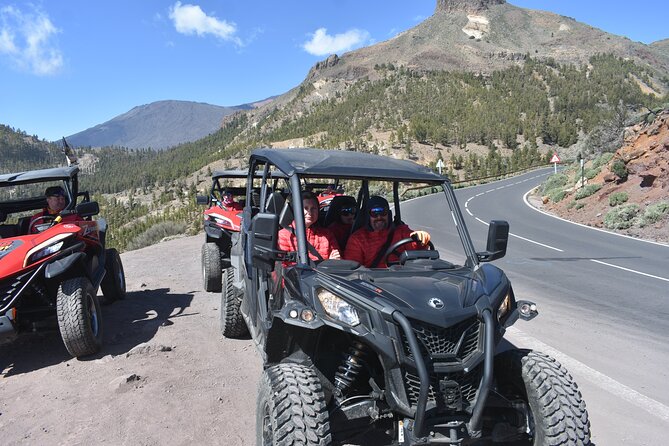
{"x": 498, "y": 237}
{"x": 88, "y": 209}
{"x": 264, "y": 239}
{"x": 202, "y": 199}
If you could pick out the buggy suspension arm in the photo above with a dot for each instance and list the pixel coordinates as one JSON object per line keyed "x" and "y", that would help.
{"x": 484, "y": 388}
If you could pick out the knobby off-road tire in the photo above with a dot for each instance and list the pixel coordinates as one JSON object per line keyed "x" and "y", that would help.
{"x": 79, "y": 318}
{"x": 232, "y": 322}
{"x": 211, "y": 267}
{"x": 113, "y": 284}
{"x": 557, "y": 408}
{"x": 291, "y": 408}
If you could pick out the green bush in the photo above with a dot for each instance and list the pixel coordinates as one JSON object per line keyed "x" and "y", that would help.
{"x": 579, "y": 206}
{"x": 553, "y": 182}
{"x": 571, "y": 204}
{"x": 617, "y": 198}
{"x": 156, "y": 233}
{"x": 621, "y": 217}
{"x": 618, "y": 167}
{"x": 586, "y": 191}
{"x": 654, "y": 213}
{"x": 557, "y": 195}
{"x": 592, "y": 173}
{"x": 604, "y": 158}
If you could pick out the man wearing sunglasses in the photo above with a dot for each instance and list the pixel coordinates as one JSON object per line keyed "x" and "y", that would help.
{"x": 368, "y": 244}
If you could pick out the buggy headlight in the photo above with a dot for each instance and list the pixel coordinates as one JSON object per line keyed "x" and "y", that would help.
{"x": 338, "y": 308}
{"x": 504, "y": 307}
{"x": 46, "y": 248}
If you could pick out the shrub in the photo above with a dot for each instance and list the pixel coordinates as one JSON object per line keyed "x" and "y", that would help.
{"x": 604, "y": 158}
{"x": 553, "y": 182}
{"x": 621, "y": 217}
{"x": 557, "y": 195}
{"x": 579, "y": 206}
{"x": 571, "y": 204}
{"x": 654, "y": 213}
{"x": 592, "y": 173}
{"x": 156, "y": 233}
{"x": 617, "y": 198}
{"x": 586, "y": 191}
{"x": 618, "y": 167}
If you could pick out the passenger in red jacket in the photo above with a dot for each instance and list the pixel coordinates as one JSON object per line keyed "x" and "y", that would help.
{"x": 345, "y": 216}
{"x": 320, "y": 238}
{"x": 56, "y": 200}
{"x": 365, "y": 244}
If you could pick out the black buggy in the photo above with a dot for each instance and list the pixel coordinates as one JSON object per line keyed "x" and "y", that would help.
{"x": 405, "y": 355}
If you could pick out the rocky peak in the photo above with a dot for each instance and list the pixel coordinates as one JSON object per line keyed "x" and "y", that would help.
{"x": 451, "y": 6}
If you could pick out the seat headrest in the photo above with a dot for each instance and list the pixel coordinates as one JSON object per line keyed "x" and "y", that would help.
{"x": 275, "y": 203}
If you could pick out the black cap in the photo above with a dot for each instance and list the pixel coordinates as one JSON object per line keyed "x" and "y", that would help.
{"x": 378, "y": 202}
{"x": 54, "y": 191}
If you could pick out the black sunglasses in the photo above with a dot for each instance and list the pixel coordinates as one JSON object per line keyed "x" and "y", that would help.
{"x": 378, "y": 212}
{"x": 347, "y": 211}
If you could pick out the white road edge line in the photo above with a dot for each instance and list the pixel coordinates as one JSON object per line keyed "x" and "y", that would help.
{"x": 630, "y": 270}
{"x": 599, "y": 379}
{"x": 589, "y": 227}
{"x": 517, "y": 236}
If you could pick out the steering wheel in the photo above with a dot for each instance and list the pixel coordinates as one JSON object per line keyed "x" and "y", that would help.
{"x": 36, "y": 219}
{"x": 392, "y": 249}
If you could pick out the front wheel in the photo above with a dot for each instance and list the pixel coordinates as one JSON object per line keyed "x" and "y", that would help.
{"x": 291, "y": 408}
{"x": 113, "y": 284}
{"x": 211, "y": 267}
{"x": 557, "y": 413}
{"x": 79, "y": 318}
{"x": 232, "y": 322}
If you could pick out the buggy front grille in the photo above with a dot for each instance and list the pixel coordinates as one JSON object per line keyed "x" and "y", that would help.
{"x": 446, "y": 345}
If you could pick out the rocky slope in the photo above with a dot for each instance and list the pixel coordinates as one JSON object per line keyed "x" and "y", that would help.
{"x": 630, "y": 191}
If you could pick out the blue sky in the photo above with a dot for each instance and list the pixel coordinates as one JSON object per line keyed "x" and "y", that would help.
{"x": 67, "y": 65}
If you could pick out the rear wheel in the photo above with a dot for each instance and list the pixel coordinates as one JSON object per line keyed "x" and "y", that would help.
{"x": 232, "y": 322}
{"x": 291, "y": 408}
{"x": 79, "y": 318}
{"x": 113, "y": 284}
{"x": 557, "y": 413}
{"x": 211, "y": 267}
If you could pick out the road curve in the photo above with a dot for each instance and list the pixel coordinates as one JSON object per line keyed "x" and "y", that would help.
{"x": 603, "y": 301}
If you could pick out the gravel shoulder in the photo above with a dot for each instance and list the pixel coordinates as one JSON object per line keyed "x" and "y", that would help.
{"x": 165, "y": 374}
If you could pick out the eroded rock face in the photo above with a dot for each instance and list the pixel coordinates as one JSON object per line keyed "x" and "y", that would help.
{"x": 465, "y": 5}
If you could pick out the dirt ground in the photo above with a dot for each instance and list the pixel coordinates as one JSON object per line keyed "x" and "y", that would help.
{"x": 165, "y": 375}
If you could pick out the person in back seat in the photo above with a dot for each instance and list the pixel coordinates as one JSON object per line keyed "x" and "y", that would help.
{"x": 344, "y": 208}
{"x": 320, "y": 238}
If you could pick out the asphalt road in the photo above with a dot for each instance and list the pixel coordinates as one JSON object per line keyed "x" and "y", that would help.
{"x": 603, "y": 301}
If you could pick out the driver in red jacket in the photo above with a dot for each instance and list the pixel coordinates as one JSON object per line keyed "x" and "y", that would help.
{"x": 365, "y": 244}
{"x": 56, "y": 200}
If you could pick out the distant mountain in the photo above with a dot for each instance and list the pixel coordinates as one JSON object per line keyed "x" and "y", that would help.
{"x": 158, "y": 125}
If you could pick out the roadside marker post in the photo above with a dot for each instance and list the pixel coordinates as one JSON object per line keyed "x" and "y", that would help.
{"x": 440, "y": 165}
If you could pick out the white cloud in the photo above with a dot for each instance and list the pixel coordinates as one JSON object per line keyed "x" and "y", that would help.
{"x": 322, "y": 44}
{"x": 190, "y": 19}
{"x": 27, "y": 39}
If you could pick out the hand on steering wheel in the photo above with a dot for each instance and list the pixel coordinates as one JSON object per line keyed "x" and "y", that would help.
{"x": 392, "y": 250}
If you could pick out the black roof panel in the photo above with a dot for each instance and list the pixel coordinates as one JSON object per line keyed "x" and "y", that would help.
{"x": 33, "y": 176}
{"x": 345, "y": 164}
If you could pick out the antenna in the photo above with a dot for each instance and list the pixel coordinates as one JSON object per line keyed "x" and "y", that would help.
{"x": 69, "y": 154}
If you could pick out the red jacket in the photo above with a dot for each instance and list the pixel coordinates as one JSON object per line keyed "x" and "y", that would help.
{"x": 321, "y": 238}
{"x": 364, "y": 245}
{"x": 341, "y": 232}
